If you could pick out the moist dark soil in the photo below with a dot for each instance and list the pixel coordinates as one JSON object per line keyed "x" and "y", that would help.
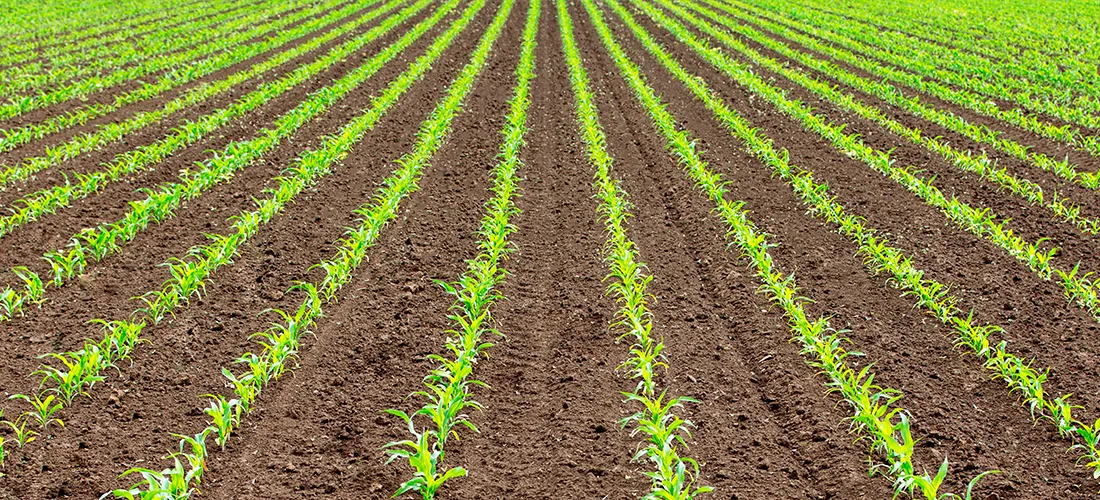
{"x": 764, "y": 425}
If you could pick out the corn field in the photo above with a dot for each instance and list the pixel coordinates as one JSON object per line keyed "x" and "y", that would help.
{"x": 629, "y": 249}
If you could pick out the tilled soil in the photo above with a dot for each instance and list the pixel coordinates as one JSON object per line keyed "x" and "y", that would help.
{"x": 764, "y": 426}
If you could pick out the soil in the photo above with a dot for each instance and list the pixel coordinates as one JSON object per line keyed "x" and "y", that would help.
{"x": 764, "y": 426}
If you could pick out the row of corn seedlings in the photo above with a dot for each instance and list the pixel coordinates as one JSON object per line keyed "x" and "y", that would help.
{"x": 236, "y": 34}
{"x": 65, "y": 52}
{"x": 890, "y": 94}
{"x": 17, "y": 136}
{"x": 1061, "y": 207}
{"x": 888, "y": 428}
{"x": 880, "y": 258}
{"x": 281, "y": 342}
{"x": 657, "y": 420}
{"x": 84, "y": 367}
{"x": 1079, "y": 288}
{"x": 94, "y": 244}
{"x": 978, "y": 89}
{"x": 18, "y": 80}
{"x": 115, "y": 131}
{"x": 448, "y": 387}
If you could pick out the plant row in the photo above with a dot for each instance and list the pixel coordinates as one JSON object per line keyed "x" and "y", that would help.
{"x": 62, "y": 50}
{"x": 43, "y": 25}
{"x": 1061, "y": 207}
{"x": 1022, "y": 61}
{"x": 890, "y": 94}
{"x": 40, "y": 74}
{"x": 975, "y": 75}
{"x": 657, "y": 421}
{"x": 448, "y": 393}
{"x": 82, "y": 185}
{"x": 17, "y": 136}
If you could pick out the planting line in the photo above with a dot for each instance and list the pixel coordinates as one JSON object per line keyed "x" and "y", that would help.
{"x": 664, "y": 431}
{"x": 115, "y": 131}
{"x": 879, "y": 258}
{"x": 1079, "y": 290}
{"x": 887, "y": 428}
{"x": 890, "y": 94}
{"x": 17, "y": 136}
{"x": 449, "y": 385}
{"x": 176, "y": 61}
{"x": 94, "y": 244}
{"x": 282, "y": 340}
{"x": 1027, "y": 63}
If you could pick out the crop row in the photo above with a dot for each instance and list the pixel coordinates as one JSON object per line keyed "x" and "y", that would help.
{"x": 82, "y": 185}
{"x": 982, "y": 165}
{"x": 76, "y": 49}
{"x": 1019, "y": 60}
{"x": 881, "y": 258}
{"x": 657, "y": 420}
{"x": 35, "y": 26}
{"x": 980, "y": 78}
{"x": 105, "y": 134}
{"x": 890, "y": 94}
{"x": 1078, "y": 288}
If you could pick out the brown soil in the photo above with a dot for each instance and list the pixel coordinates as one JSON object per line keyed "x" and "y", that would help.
{"x": 764, "y": 426}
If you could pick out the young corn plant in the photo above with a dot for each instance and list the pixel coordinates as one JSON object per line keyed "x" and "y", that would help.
{"x": 43, "y": 409}
{"x": 657, "y": 420}
{"x": 887, "y": 428}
